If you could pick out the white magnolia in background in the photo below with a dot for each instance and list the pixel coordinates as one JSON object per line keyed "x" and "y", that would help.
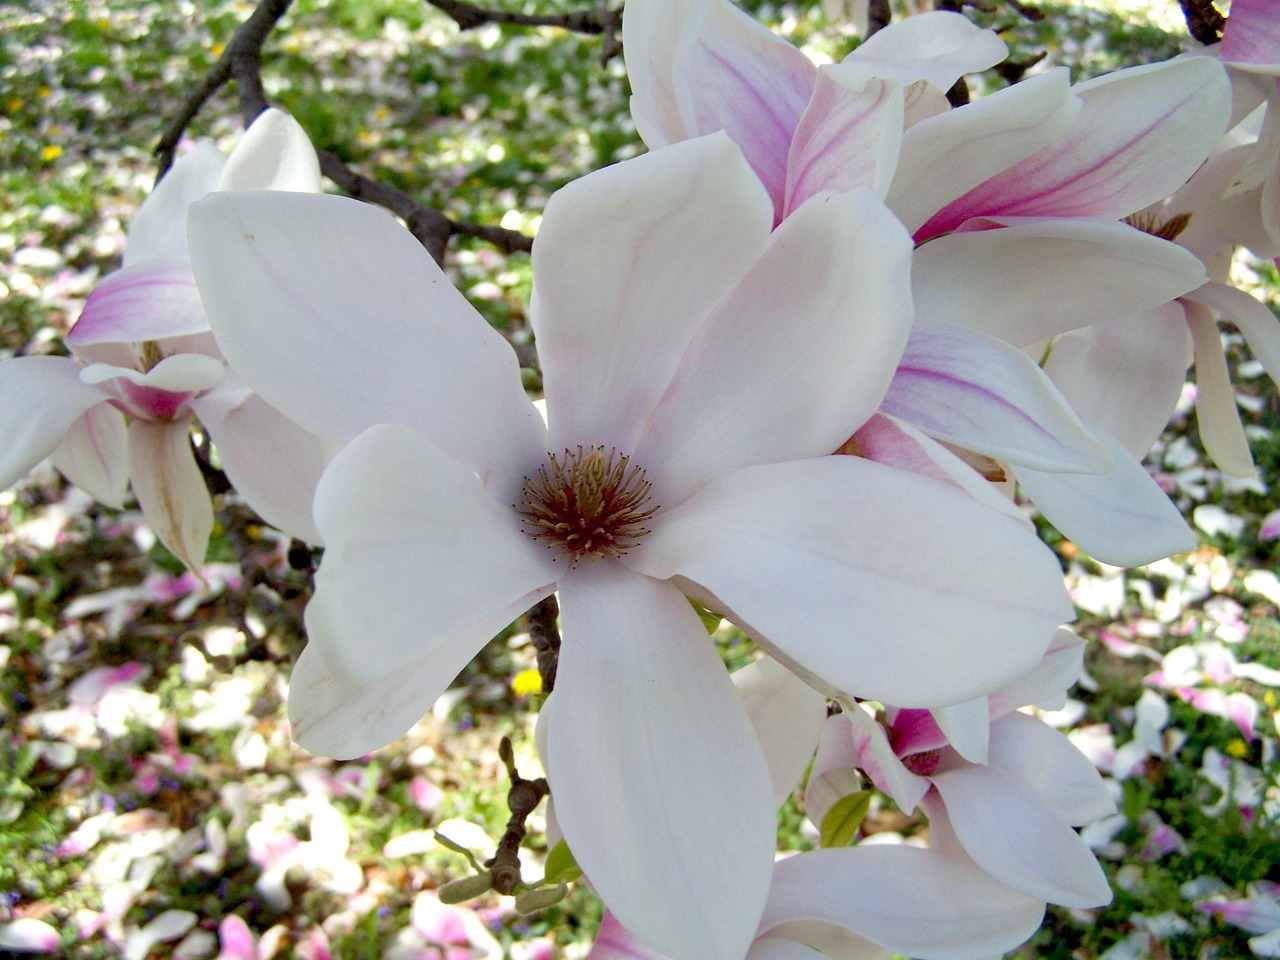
{"x": 119, "y": 410}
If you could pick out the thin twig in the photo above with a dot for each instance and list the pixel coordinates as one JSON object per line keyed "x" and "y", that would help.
{"x": 241, "y": 60}
{"x": 598, "y": 20}
{"x": 878, "y": 16}
{"x": 522, "y": 799}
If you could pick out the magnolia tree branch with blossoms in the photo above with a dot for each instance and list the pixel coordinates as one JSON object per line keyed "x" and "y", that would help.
{"x": 806, "y": 365}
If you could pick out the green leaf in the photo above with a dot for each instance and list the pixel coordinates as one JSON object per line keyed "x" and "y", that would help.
{"x": 842, "y": 821}
{"x": 561, "y": 867}
{"x": 709, "y": 620}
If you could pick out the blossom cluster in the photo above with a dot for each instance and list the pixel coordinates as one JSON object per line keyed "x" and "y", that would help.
{"x": 803, "y": 364}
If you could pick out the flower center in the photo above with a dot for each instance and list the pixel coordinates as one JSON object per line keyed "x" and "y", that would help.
{"x": 587, "y": 503}
{"x": 1164, "y": 229}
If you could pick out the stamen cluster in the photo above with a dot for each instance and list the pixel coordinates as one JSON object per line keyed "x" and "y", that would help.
{"x": 587, "y": 503}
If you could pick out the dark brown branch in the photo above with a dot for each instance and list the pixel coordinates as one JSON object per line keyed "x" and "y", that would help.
{"x": 241, "y": 61}
{"x": 878, "y": 16}
{"x": 1204, "y": 22}
{"x": 600, "y": 20}
{"x": 1028, "y": 12}
{"x": 545, "y": 635}
{"x": 522, "y": 799}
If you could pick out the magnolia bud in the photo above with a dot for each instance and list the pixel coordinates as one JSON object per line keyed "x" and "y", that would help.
{"x": 466, "y": 888}
{"x": 539, "y": 898}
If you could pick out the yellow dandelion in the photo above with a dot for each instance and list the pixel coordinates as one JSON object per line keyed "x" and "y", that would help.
{"x": 1269, "y": 698}
{"x": 15, "y": 104}
{"x": 218, "y": 48}
{"x": 526, "y": 682}
{"x": 50, "y": 152}
{"x": 44, "y": 92}
{"x": 1238, "y": 748}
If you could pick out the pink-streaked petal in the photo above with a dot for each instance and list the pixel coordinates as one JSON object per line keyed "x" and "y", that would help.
{"x": 908, "y": 900}
{"x": 872, "y": 753}
{"x": 1120, "y": 517}
{"x": 787, "y": 715}
{"x": 336, "y": 316}
{"x": 939, "y": 47}
{"x": 967, "y": 727}
{"x": 236, "y": 940}
{"x": 661, "y": 788}
{"x": 1264, "y": 153}
{"x": 1125, "y": 376}
{"x": 1051, "y": 767}
{"x": 987, "y": 396}
{"x": 751, "y": 389}
{"x": 41, "y": 398}
{"x": 629, "y": 262}
{"x": 94, "y": 454}
{"x": 900, "y": 445}
{"x": 1217, "y": 416}
{"x": 150, "y": 300}
{"x": 159, "y": 229}
{"x": 170, "y": 488}
{"x": 1269, "y": 529}
{"x": 976, "y": 142}
{"x": 416, "y": 552}
{"x": 821, "y": 559}
{"x": 1022, "y": 282}
{"x": 1141, "y": 135}
{"x": 1218, "y": 219}
{"x": 1011, "y": 835}
{"x": 615, "y": 942}
{"x": 273, "y": 463}
{"x": 848, "y": 137}
{"x": 1251, "y": 36}
{"x": 274, "y": 154}
{"x": 835, "y": 773}
{"x": 1061, "y": 667}
{"x": 28, "y": 935}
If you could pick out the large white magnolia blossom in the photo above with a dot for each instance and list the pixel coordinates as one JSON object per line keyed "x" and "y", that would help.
{"x": 1015, "y": 200}
{"x": 699, "y": 368}
{"x": 143, "y": 363}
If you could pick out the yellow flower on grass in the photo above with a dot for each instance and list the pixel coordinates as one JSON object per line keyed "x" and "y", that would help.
{"x": 51, "y": 152}
{"x": 526, "y": 682}
{"x": 1238, "y": 748}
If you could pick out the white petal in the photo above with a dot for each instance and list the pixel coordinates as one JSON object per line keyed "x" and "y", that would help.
{"x": 94, "y": 454}
{"x": 1061, "y": 667}
{"x": 1120, "y": 517}
{"x": 1141, "y": 135}
{"x": 976, "y": 142}
{"x": 911, "y": 901}
{"x": 939, "y": 47}
{"x": 1018, "y": 840}
{"x": 848, "y": 137}
{"x": 967, "y": 727}
{"x": 628, "y": 263}
{"x": 787, "y": 715}
{"x": 987, "y": 396}
{"x": 181, "y": 373}
{"x": 170, "y": 488}
{"x": 1217, "y": 416}
{"x": 335, "y": 717}
{"x": 1024, "y": 283}
{"x": 339, "y": 319}
{"x": 1051, "y": 767}
{"x": 149, "y": 300}
{"x": 159, "y": 230}
{"x": 272, "y": 462}
{"x": 661, "y": 789}
{"x": 1259, "y": 325}
{"x": 751, "y": 389}
{"x": 40, "y": 399}
{"x": 1125, "y": 376}
{"x": 274, "y": 154}
{"x": 776, "y": 948}
{"x": 821, "y": 559}
{"x": 416, "y": 552}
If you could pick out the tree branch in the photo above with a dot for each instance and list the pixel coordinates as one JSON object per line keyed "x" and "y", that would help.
{"x": 598, "y": 21}
{"x": 1204, "y": 22}
{"x": 241, "y": 61}
{"x": 545, "y": 636}
{"x": 522, "y": 799}
{"x": 878, "y": 16}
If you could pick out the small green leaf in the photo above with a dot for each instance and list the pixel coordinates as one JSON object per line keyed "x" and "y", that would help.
{"x": 711, "y": 621}
{"x": 561, "y": 867}
{"x": 842, "y": 821}
{"x": 458, "y": 848}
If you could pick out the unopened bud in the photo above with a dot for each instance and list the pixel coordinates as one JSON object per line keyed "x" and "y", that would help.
{"x": 466, "y": 888}
{"x": 539, "y": 898}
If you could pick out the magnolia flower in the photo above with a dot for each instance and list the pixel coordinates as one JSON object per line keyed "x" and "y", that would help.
{"x": 143, "y": 363}
{"x": 1019, "y": 241}
{"x": 686, "y": 453}
{"x": 1006, "y": 798}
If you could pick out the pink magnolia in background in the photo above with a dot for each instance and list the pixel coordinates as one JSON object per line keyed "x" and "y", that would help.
{"x": 144, "y": 362}
{"x": 687, "y": 452}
